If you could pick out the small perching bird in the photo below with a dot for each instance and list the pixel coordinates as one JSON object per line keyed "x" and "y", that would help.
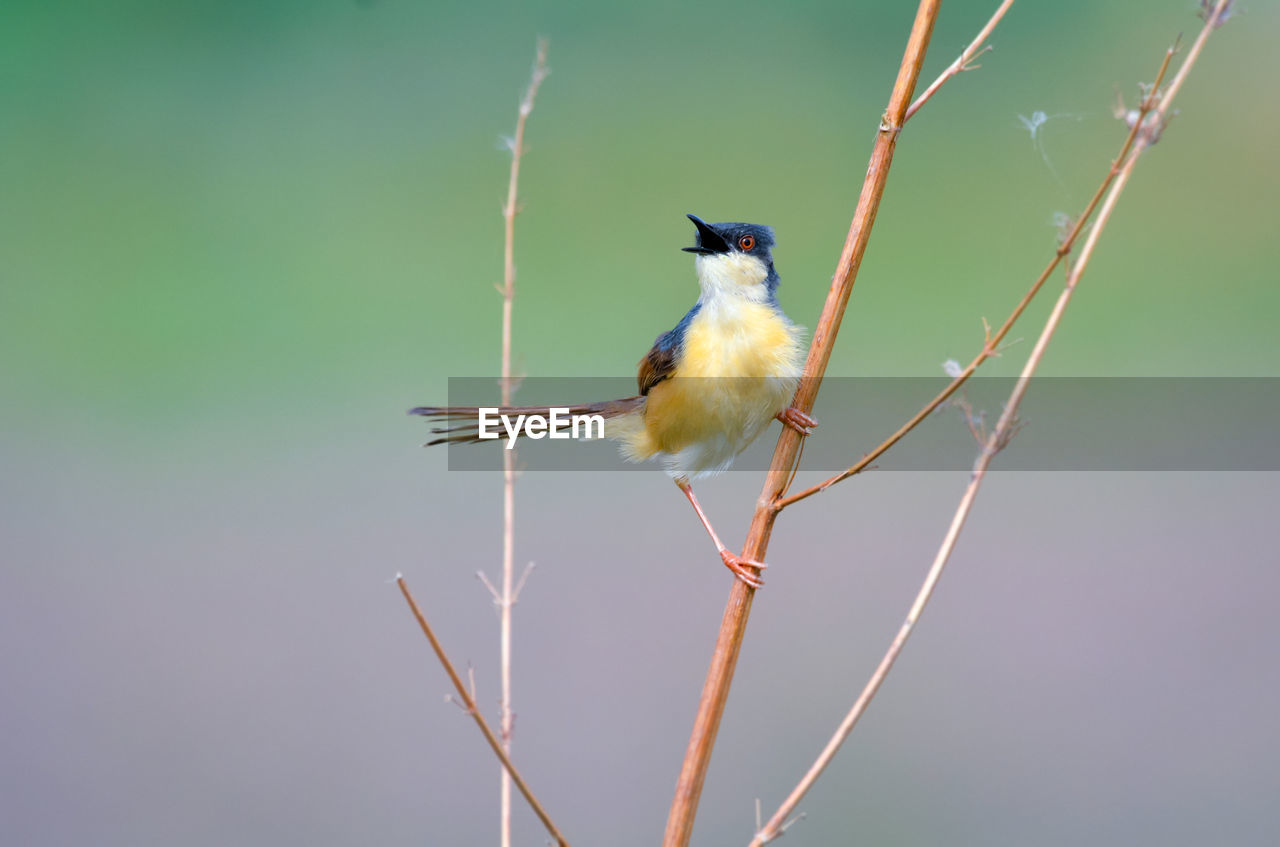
{"x": 708, "y": 387}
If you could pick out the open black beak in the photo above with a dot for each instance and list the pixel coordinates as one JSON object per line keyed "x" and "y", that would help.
{"x": 709, "y": 241}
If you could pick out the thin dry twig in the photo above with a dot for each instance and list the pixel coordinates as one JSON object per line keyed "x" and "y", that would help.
{"x": 963, "y": 62}
{"x": 991, "y": 342}
{"x": 524, "y": 577}
{"x": 733, "y": 626}
{"x": 1154, "y": 111}
{"x": 493, "y": 591}
{"x": 470, "y": 704}
{"x": 506, "y": 599}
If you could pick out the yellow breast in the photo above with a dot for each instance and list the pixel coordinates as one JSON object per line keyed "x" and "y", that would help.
{"x": 738, "y": 368}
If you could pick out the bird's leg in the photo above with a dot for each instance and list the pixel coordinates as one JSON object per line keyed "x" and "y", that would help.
{"x": 742, "y": 568}
{"x": 797, "y": 420}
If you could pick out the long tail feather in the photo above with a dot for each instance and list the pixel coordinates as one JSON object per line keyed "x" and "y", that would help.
{"x": 461, "y": 424}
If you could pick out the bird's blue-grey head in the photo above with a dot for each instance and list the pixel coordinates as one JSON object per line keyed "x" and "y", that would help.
{"x": 735, "y": 258}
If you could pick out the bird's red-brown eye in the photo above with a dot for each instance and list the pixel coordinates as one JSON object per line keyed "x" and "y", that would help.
{"x": 746, "y": 242}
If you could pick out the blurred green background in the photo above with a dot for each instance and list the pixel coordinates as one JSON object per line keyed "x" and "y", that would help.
{"x": 239, "y": 239}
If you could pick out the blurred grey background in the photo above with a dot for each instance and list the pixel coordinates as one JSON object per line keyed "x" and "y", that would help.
{"x": 239, "y": 240}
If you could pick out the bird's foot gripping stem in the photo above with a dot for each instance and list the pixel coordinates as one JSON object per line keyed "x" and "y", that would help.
{"x": 797, "y": 420}
{"x": 744, "y": 569}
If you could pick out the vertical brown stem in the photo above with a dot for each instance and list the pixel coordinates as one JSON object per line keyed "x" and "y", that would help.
{"x": 507, "y": 599}
{"x": 733, "y": 626}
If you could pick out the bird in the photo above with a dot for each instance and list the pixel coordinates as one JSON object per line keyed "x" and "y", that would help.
{"x": 708, "y": 387}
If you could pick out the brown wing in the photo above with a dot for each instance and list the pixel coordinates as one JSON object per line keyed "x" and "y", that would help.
{"x": 657, "y": 365}
{"x": 660, "y": 363}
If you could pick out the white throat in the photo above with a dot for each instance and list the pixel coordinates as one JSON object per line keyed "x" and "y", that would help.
{"x": 732, "y": 276}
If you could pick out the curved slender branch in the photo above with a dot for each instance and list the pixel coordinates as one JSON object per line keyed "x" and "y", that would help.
{"x": 1152, "y": 114}
{"x": 992, "y": 343}
{"x": 470, "y": 703}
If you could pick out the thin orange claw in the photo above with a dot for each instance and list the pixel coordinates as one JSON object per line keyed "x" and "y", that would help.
{"x": 743, "y": 568}
{"x": 797, "y": 420}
